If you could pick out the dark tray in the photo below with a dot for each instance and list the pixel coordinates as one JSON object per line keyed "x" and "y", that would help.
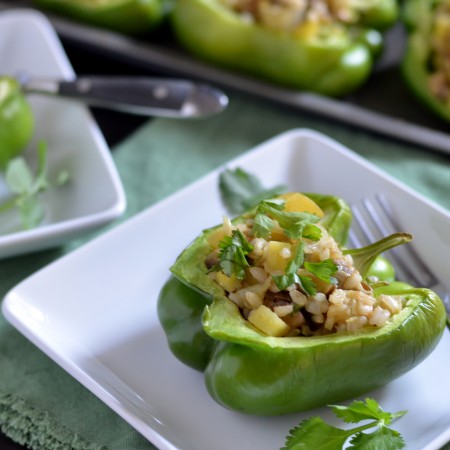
{"x": 383, "y": 105}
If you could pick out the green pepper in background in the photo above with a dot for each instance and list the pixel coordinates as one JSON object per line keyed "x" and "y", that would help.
{"x": 382, "y": 269}
{"x": 127, "y": 16}
{"x": 248, "y": 371}
{"x": 332, "y": 58}
{"x": 426, "y": 66}
{"x": 16, "y": 120}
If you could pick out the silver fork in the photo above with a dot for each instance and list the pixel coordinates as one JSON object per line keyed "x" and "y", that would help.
{"x": 374, "y": 219}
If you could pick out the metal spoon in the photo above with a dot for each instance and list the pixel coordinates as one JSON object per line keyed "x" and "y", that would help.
{"x": 160, "y": 97}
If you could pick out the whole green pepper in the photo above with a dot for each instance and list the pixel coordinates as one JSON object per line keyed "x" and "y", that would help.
{"x": 127, "y": 16}
{"x": 425, "y": 65}
{"x": 333, "y": 59}
{"x": 250, "y": 372}
{"x": 16, "y": 120}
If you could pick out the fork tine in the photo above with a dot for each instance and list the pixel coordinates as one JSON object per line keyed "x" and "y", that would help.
{"x": 374, "y": 220}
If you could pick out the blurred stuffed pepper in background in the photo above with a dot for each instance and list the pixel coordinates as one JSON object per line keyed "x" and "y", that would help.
{"x": 126, "y": 16}
{"x": 426, "y": 64}
{"x": 326, "y": 46}
{"x": 16, "y": 120}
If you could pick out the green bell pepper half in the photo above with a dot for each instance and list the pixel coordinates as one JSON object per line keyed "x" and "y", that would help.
{"x": 333, "y": 64}
{"x": 304, "y": 374}
{"x": 256, "y": 374}
{"x": 418, "y": 16}
{"x": 16, "y": 120}
{"x": 127, "y": 16}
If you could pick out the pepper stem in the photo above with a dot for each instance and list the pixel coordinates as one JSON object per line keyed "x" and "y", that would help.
{"x": 364, "y": 257}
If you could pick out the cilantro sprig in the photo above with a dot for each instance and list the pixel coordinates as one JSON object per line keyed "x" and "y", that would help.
{"x": 269, "y": 212}
{"x": 232, "y": 255}
{"x": 26, "y": 187}
{"x": 315, "y": 433}
{"x": 323, "y": 270}
{"x": 291, "y": 276}
{"x": 241, "y": 190}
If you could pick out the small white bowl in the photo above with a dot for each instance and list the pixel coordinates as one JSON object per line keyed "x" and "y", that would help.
{"x": 94, "y": 195}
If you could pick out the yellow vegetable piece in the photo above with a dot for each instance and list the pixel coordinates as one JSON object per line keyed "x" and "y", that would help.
{"x": 268, "y": 322}
{"x": 278, "y": 256}
{"x": 297, "y": 202}
{"x": 215, "y": 237}
{"x": 230, "y": 284}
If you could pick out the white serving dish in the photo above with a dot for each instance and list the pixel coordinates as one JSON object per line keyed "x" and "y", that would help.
{"x": 94, "y": 196}
{"x": 95, "y": 314}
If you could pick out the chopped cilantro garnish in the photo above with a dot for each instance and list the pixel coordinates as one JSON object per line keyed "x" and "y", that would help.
{"x": 307, "y": 285}
{"x": 290, "y": 276}
{"x": 232, "y": 255}
{"x": 323, "y": 270}
{"x": 316, "y": 433}
{"x": 292, "y": 223}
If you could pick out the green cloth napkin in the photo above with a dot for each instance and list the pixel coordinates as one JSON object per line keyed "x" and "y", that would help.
{"x": 40, "y": 404}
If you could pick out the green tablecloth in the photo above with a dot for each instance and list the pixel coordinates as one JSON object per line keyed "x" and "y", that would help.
{"x": 45, "y": 408}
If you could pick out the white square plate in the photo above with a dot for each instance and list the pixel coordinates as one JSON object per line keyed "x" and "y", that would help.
{"x": 94, "y": 195}
{"x": 95, "y": 313}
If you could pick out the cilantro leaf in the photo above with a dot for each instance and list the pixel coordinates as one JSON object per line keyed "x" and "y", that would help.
{"x": 290, "y": 276}
{"x": 323, "y": 270}
{"x": 382, "y": 439}
{"x": 292, "y": 223}
{"x": 263, "y": 225}
{"x": 308, "y": 285}
{"x": 26, "y": 187}
{"x": 232, "y": 255}
{"x": 285, "y": 280}
{"x": 241, "y": 190}
{"x": 359, "y": 410}
{"x": 31, "y": 211}
{"x": 312, "y": 232}
{"x": 316, "y": 434}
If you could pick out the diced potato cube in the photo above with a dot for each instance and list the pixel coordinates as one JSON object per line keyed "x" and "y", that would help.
{"x": 297, "y": 202}
{"x": 268, "y": 322}
{"x": 277, "y": 234}
{"x": 307, "y": 30}
{"x": 230, "y": 284}
{"x": 215, "y": 237}
{"x": 278, "y": 256}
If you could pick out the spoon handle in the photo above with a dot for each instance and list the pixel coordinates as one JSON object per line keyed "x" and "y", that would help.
{"x": 136, "y": 95}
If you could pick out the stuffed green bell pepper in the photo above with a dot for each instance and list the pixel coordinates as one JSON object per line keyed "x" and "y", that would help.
{"x": 325, "y": 46}
{"x": 280, "y": 319}
{"x": 16, "y": 120}
{"x": 426, "y": 64}
{"x": 127, "y": 16}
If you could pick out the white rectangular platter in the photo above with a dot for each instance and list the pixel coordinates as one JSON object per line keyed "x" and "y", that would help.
{"x": 94, "y": 310}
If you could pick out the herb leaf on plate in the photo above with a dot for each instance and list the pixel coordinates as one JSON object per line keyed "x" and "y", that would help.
{"x": 315, "y": 433}
{"x": 241, "y": 190}
{"x": 25, "y": 187}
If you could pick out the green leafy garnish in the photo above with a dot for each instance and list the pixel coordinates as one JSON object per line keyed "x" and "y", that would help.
{"x": 323, "y": 270}
{"x": 292, "y": 223}
{"x": 315, "y": 433}
{"x": 25, "y": 187}
{"x": 241, "y": 190}
{"x": 232, "y": 255}
{"x": 292, "y": 277}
